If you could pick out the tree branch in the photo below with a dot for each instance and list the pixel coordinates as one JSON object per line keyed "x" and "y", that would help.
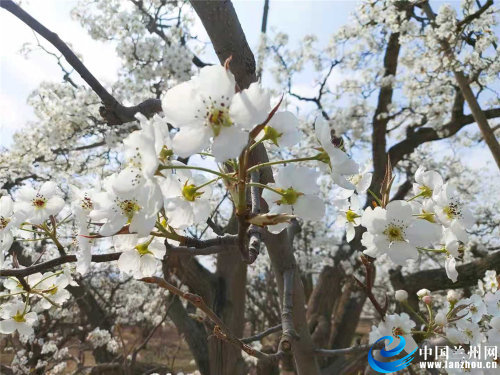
{"x": 221, "y": 23}
{"x": 45, "y": 266}
{"x": 112, "y": 111}
{"x": 220, "y": 329}
{"x": 478, "y": 114}
{"x": 436, "y": 279}
{"x": 260, "y": 336}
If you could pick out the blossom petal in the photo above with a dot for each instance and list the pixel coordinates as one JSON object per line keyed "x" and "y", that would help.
{"x": 309, "y": 207}
{"x": 401, "y": 251}
{"x": 229, "y": 143}
{"x": 250, "y": 107}
{"x": 191, "y": 140}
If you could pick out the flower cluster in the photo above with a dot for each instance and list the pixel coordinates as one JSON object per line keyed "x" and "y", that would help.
{"x": 434, "y": 216}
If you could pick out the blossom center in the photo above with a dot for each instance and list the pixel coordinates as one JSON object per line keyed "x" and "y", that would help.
{"x": 52, "y": 290}
{"x": 272, "y": 134}
{"x": 429, "y": 216}
{"x": 129, "y": 207}
{"x": 19, "y": 317}
{"x": 219, "y": 118}
{"x": 142, "y": 249}
{"x": 473, "y": 309}
{"x": 166, "y": 154}
{"x": 39, "y": 201}
{"x": 87, "y": 203}
{"x": 397, "y": 331}
{"x": 425, "y": 191}
{"x": 351, "y": 216}
{"x": 289, "y": 196}
{"x": 452, "y": 210}
{"x": 355, "y": 179}
{"x": 190, "y": 192}
{"x": 394, "y": 233}
{"x": 3, "y": 222}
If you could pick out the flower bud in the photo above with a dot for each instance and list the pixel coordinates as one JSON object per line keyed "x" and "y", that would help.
{"x": 427, "y": 300}
{"x": 401, "y": 295}
{"x": 452, "y": 296}
{"x": 423, "y": 292}
{"x": 441, "y": 318}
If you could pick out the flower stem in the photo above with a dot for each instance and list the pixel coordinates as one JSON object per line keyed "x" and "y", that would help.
{"x": 222, "y": 175}
{"x": 416, "y": 314}
{"x": 269, "y": 163}
{"x": 256, "y": 184}
{"x": 432, "y": 250}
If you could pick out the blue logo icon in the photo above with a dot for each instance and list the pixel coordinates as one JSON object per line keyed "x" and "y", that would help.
{"x": 390, "y": 367}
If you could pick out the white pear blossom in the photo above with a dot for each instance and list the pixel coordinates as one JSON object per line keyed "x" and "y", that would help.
{"x": 395, "y": 325}
{"x": 206, "y": 107}
{"x": 282, "y": 130}
{"x": 187, "y": 199}
{"x": 492, "y": 302}
{"x": 451, "y": 212}
{"x": 39, "y": 204}
{"x": 427, "y": 182}
{"x": 140, "y": 256}
{"x": 471, "y": 333}
{"x": 137, "y": 208}
{"x": 341, "y": 166}
{"x": 14, "y": 286}
{"x": 440, "y": 318}
{"x": 476, "y": 307}
{"x": 16, "y": 316}
{"x": 82, "y": 205}
{"x": 395, "y": 231}
{"x": 490, "y": 279}
{"x": 294, "y": 192}
{"x": 361, "y": 182}
{"x": 494, "y": 333}
{"x": 450, "y": 267}
{"x": 8, "y": 221}
{"x": 52, "y": 286}
{"x": 349, "y": 215}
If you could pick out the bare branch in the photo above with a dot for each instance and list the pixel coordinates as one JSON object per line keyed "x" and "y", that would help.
{"x": 114, "y": 112}
{"x": 478, "y": 114}
{"x": 184, "y": 250}
{"x": 346, "y": 351}
{"x": 220, "y": 329}
{"x": 45, "y": 266}
{"x": 436, "y": 279}
{"x": 260, "y": 336}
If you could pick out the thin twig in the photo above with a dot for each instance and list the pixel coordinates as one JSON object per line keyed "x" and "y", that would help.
{"x": 261, "y": 335}
{"x": 114, "y": 112}
{"x": 220, "y": 329}
{"x": 41, "y": 267}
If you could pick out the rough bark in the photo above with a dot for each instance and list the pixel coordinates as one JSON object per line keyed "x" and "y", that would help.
{"x": 280, "y": 249}
{"x": 228, "y": 39}
{"x": 436, "y": 279}
{"x": 194, "y": 334}
{"x": 321, "y": 304}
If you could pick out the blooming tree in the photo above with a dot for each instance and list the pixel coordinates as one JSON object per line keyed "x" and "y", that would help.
{"x": 219, "y": 204}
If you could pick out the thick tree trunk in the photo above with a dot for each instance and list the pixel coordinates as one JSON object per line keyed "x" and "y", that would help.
{"x": 280, "y": 249}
